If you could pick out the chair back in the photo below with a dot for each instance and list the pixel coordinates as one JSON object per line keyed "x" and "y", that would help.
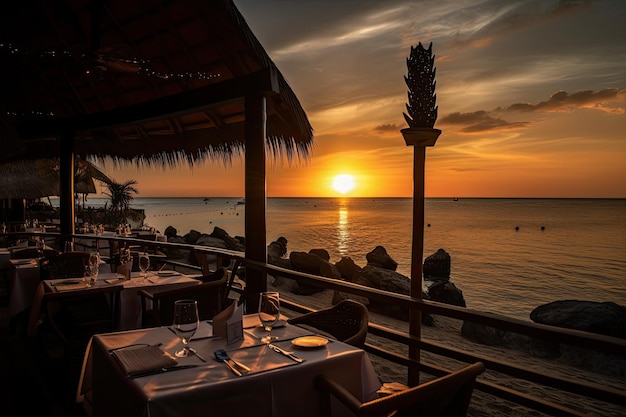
{"x": 446, "y": 396}
{"x": 68, "y": 265}
{"x": 210, "y": 295}
{"x": 347, "y": 321}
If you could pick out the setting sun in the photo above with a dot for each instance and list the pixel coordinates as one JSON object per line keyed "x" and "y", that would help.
{"x": 343, "y": 183}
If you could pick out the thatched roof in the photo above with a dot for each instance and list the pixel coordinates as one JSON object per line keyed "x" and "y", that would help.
{"x": 40, "y": 178}
{"x": 148, "y": 81}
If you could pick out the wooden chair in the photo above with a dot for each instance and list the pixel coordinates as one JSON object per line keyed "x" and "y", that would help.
{"x": 67, "y": 265}
{"x": 446, "y": 396}
{"x": 73, "y": 317}
{"x": 210, "y": 294}
{"x": 347, "y": 321}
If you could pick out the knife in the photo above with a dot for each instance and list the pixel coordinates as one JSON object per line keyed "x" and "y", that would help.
{"x": 285, "y": 352}
{"x": 159, "y": 371}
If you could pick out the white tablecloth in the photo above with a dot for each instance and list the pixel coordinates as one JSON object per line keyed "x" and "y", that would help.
{"x": 24, "y": 277}
{"x": 277, "y": 386}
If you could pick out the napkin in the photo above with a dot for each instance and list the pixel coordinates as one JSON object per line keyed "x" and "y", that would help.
{"x": 229, "y": 323}
{"x": 140, "y": 359}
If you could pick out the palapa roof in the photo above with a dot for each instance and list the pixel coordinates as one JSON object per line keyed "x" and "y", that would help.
{"x": 147, "y": 81}
{"x": 40, "y": 178}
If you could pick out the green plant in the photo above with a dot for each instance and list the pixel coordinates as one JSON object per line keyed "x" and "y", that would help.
{"x": 121, "y": 196}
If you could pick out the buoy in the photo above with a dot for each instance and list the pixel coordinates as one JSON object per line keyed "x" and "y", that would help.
{"x": 516, "y": 228}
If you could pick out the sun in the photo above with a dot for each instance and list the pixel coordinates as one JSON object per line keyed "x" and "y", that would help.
{"x": 343, "y": 183}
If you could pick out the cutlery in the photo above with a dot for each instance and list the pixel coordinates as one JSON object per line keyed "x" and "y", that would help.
{"x": 221, "y": 355}
{"x": 285, "y": 352}
{"x": 159, "y": 371}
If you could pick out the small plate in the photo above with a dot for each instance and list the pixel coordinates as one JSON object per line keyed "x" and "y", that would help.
{"x": 310, "y": 341}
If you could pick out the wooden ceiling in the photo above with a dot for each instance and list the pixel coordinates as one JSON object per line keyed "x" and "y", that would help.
{"x": 149, "y": 81}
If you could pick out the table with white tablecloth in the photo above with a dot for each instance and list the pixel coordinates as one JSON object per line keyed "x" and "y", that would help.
{"x": 276, "y": 386}
{"x": 23, "y": 278}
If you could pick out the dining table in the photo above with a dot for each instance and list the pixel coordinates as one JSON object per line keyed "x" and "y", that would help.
{"x": 129, "y": 314}
{"x": 136, "y": 373}
{"x": 23, "y": 277}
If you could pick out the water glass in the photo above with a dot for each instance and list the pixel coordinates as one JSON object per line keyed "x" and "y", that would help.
{"x": 269, "y": 313}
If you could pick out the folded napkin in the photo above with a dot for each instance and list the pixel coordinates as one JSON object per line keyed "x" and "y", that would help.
{"x": 70, "y": 285}
{"x": 145, "y": 358}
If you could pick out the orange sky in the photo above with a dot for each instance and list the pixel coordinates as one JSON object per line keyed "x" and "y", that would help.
{"x": 531, "y": 98}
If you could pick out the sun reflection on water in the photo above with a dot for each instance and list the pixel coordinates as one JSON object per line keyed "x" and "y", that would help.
{"x": 343, "y": 234}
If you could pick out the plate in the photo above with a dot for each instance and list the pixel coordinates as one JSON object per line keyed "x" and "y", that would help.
{"x": 310, "y": 341}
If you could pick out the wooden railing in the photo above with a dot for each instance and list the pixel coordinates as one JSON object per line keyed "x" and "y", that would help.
{"x": 595, "y": 391}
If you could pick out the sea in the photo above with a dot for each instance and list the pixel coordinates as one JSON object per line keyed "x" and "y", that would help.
{"x": 508, "y": 256}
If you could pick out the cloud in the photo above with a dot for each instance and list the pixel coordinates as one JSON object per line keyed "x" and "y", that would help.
{"x": 387, "y": 127}
{"x": 481, "y": 121}
{"x": 562, "y": 101}
{"x": 608, "y": 100}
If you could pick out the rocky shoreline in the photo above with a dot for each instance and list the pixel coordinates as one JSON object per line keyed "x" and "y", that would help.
{"x": 608, "y": 319}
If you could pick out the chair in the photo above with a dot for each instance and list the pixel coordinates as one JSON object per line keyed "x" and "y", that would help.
{"x": 67, "y": 265}
{"x": 347, "y": 321}
{"x": 210, "y": 294}
{"x": 446, "y": 396}
{"x": 73, "y": 317}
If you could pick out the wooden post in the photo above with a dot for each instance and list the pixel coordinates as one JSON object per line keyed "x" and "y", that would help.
{"x": 256, "y": 198}
{"x": 419, "y": 138}
{"x": 66, "y": 186}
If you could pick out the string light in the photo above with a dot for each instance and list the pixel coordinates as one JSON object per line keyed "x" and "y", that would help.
{"x": 101, "y": 61}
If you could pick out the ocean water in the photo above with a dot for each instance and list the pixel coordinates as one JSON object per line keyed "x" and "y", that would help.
{"x": 508, "y": 256}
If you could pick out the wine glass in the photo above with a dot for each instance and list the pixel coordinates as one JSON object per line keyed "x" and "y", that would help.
{"x": 269, "y": 313}
{"x": 144, "y": 264}
{"x": 186, "y": 323}
{"x": 91, "y": 275}
{"x": 94, "y": 259}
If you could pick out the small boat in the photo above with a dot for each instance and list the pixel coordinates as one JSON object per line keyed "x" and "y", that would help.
{"x": 455, "y": 199}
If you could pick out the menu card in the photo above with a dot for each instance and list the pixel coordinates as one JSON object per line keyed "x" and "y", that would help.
{"x": 229, "y": 323}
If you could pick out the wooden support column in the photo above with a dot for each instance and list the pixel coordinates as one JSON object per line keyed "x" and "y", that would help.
{"x": 66, "y": 186}
{"x": 256, "y": 198}
{"x": 419, "y": 138}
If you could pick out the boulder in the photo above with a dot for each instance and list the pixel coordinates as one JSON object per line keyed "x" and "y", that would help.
{"x": 385, "y": 279}
{"x": 347, "y": 268}
{"x": 437, "y": 265}
{"x": 210, "y": 241}
{"x": 605, "y": 318}
{"x": 192, "y": 237}
{"x": 277, "y": 249}
{"x": 380, "y": 258}
{"x": 312, "y": 264}
{"x": 170, "y": 231}
{"x": 446, "y": 292}
{"x": 322, "y": 253}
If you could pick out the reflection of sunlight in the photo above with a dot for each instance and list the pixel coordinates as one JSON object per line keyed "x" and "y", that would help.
{"x": 342, "y": 231}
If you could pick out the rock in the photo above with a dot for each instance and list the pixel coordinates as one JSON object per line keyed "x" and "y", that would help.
{"x": 314, "y": 265}
{"x": 437, "y": 265}
{"x": 385, "y": 279}
{"x": 322, "y": 253}
{"x": 170, "y": 232}
{"x": 219, "y": 233}
{"x": 606, "y": 318}
{"x": 192, "y": 237}
{"x": 210, "y": 241}
{"x": 347, "y": 268}
{"x": 447, "y": 293}
{"x": 379, "y": 257}
{"x": 277, "y": 249}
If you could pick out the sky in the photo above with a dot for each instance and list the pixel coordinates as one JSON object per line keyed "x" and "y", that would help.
{"x": 531, "y": 99}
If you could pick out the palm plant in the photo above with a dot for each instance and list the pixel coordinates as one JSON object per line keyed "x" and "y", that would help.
{"x": 121, "y": 196}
